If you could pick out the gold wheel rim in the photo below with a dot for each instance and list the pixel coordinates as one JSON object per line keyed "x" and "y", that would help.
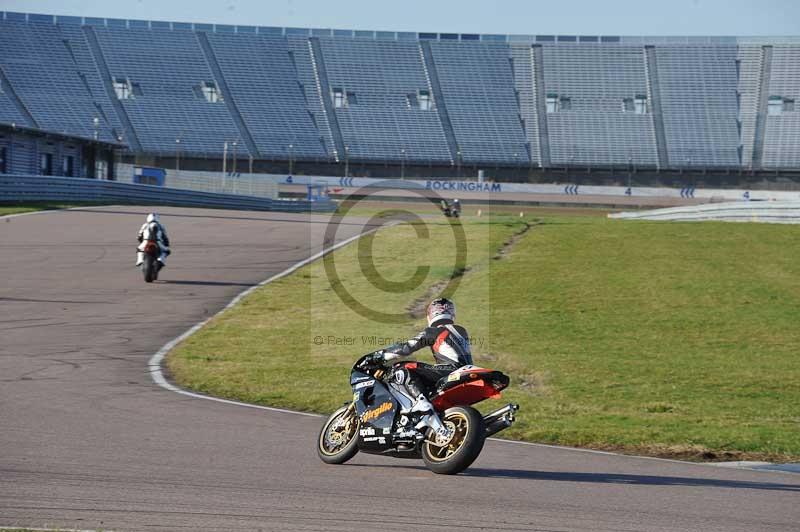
{"x": 459, "y": 424}
{"x": 338, "y": 433}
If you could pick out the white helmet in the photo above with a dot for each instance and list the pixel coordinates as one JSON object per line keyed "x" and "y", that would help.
{"x": 152, "y": 217}
{"x": 441, "y": 309}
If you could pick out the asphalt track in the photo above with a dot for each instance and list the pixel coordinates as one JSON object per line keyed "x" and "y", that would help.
{"x": 88, "y": 441}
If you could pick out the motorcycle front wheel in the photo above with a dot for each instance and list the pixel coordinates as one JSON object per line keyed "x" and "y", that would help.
{"x": 456, "y": 454}
{"x": 338, "y": 439}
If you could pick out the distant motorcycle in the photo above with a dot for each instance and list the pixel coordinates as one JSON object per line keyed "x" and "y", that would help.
{"x": 151, "y": 265}
{"x": 379, "y": 419}
{"x": 451, "y": 210}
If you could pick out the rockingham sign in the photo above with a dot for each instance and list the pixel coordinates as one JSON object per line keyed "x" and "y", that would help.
{"x": 464, "y": 186}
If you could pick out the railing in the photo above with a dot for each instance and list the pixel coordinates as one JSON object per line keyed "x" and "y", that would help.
{"x": 22, "y": 188}
{"x": 238, "y": 184}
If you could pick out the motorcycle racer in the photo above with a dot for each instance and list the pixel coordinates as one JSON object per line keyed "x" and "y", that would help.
{"x": 451, "y": 350}
{"x": 153, "y": 229}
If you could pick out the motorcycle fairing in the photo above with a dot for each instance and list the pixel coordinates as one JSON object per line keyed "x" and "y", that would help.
{"x": 465, "y": 374}
{"x": 468, "y": 385}
{"x": 376, "y": 409}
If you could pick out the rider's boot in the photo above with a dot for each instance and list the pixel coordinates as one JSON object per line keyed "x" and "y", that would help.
{"x": 139, "y": 258}
{"x": 430, "y": 418}
{"x": 421, "y": 404}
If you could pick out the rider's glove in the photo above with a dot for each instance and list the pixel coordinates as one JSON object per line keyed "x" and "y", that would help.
{"x": 371, "y": 360}
{"x": 376, "y": 357}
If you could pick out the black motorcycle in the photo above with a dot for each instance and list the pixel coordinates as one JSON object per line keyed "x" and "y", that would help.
{"x": 379, "y": 420}
{"x": 151, "y": 265}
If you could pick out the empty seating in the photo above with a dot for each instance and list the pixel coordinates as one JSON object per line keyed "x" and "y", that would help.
{"x": 10, "y": 114}
{"x": 600, "y": 124}
{"x": 309, "y": 84}
{"x": 698, "y": 99}
{"x": 477, "y": 84}
{"x": 782, "y": 134}
{"x": 45, "y": 76}
{"x": 263, "y": 81}
{"x": 383, "y": 113}
{"x": 384, "y": 97}
{"x": 168, "y": 67}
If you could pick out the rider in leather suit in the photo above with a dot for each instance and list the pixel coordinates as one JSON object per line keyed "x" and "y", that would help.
{"x": 448, "y": 342}
{"x": 152, "y": 229}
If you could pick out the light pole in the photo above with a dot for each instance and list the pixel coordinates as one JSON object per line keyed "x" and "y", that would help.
{"x": 630, "y": 170}
{"x": 346, "y": 161}
{"x": 96, "y": 124}
{"x": 224, "y": 162}
{"x": 458, "y": 162}
{"x": 402, "y": 163}
{"x": 177, "y": 155}
{"x": 234, "y": 157}
{"x": 117, "y": 157}
{"x": 291, "y": 159}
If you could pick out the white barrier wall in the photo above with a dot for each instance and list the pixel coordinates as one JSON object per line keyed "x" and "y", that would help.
{"x": 266, "y": 185}
{"x": 787, "y": 212}
{"x": 453, "y": 187}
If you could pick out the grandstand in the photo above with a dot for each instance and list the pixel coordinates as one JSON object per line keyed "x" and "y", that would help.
{"x": 282, "y": 98}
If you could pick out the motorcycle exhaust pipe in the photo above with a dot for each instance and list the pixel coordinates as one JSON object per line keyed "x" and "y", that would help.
{"x": 500, "y": 419}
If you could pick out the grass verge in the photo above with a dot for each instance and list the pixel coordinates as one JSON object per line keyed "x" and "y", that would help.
{"x": 676, "y": 340}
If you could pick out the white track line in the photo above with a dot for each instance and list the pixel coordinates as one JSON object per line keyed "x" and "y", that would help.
{"x": 154, "y": 367}
{"x": 6, "y": 217}
{"x": 750, "y": 466}
{"x": 2, "y": 528}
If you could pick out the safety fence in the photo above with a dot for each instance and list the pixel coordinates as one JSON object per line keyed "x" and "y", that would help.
{"x": 787, "y": 212}
{"x": 238, "y": 184}
{"x": 20, "y": 188}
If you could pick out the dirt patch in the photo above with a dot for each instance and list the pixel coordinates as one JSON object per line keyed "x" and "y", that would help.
{"x": 419, "y": 306}
{"x": 509, "y": 244}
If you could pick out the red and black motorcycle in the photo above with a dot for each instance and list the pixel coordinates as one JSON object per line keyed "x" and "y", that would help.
{"x": 151, "y": 265}
{"x": 380, "y": 420}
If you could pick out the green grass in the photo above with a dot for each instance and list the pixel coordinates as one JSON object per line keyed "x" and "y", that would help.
{"x": 279, "y": 346}
{"x": 665, "y": 339}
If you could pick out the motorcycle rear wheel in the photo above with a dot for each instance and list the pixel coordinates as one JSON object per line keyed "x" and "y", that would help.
{"x": 149, "y": 269}
{"x": 338, "y": 440}
{"x": 462, "y": 449}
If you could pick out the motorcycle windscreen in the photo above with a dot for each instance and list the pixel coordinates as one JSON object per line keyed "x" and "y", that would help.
{"x": 376, "y": 412}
